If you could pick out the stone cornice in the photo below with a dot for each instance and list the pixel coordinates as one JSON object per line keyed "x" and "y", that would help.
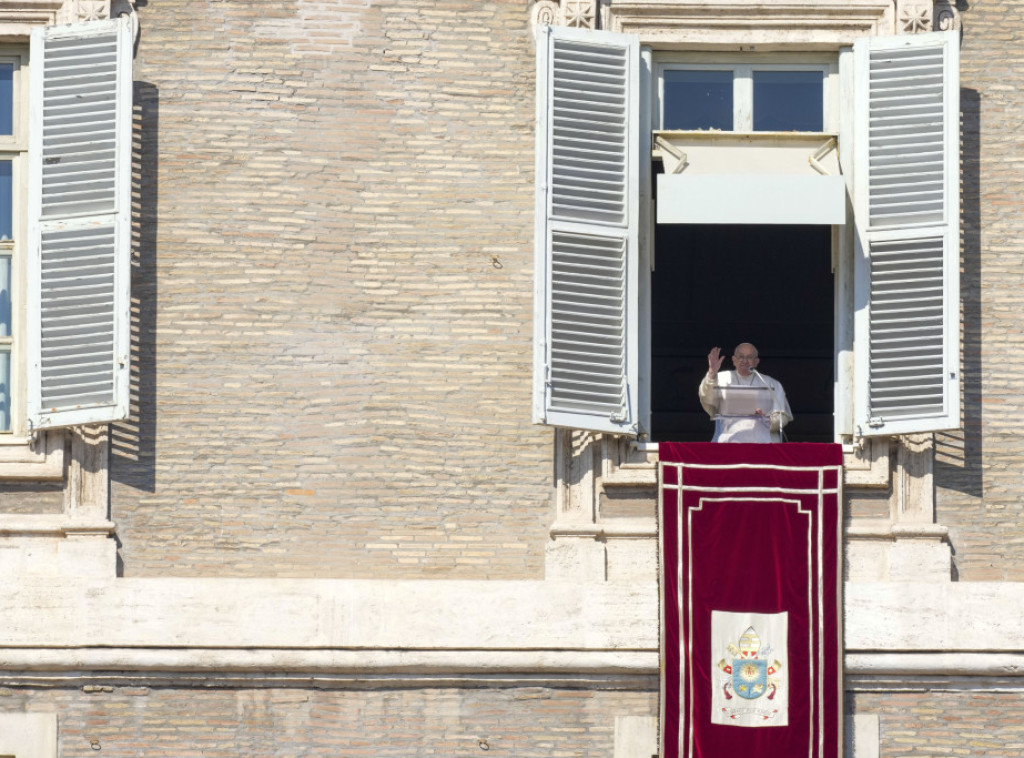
{"x": 766, "y": 25}
{"x": 739, "y": 25}
{"x": 18, "y": 17}
{"x": 368, "y": 633}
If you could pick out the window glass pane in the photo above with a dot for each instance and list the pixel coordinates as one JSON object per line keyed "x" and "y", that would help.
{"x": 6, "y": 206}
{"x": 788, "y": 101}
{"x": 5, "y": 390}
{"x": 5, "y": 296}
{"x": 697, "y": 100}
{"x": 6, "y": 98}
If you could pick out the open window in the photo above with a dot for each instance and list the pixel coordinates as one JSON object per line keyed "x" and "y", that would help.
{"x": 597, "y": 362}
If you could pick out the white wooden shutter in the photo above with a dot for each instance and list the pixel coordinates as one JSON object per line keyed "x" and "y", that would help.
{"x": 907, "y": 212}
{"x": 585, "y": 326}
{"x": 77, "y": 319}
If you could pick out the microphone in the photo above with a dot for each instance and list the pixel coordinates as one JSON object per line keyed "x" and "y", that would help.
{"x": 775, "y": 416}
{"x": 757, "y": 373}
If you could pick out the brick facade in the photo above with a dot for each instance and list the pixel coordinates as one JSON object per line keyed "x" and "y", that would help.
{"x": 978, "y": 470}
{"x": 335, "y": 285}
{"x": 333, "y": 298}
{"x": 954, "y": 723}
{"x": 126, "y": 722}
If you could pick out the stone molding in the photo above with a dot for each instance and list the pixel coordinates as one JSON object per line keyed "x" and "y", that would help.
{"x": 576, "y": 13}
{"x": 732, "y": 24}
{"x": 18, "y": 17}
{"x": 368, "y": 633}
{"x": 38, "y": 458}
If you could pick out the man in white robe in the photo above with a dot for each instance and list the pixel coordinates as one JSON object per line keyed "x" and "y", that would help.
{"x": 766, "y": 424}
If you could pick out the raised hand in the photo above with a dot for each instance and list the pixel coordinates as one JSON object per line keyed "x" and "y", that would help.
{"x": 715, "y": 359}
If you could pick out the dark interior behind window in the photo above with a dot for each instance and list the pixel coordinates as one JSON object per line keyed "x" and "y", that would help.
{"x": 726, "y": 284}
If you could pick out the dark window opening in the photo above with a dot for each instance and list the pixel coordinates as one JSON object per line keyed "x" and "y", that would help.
{"x": 771, "y": 285}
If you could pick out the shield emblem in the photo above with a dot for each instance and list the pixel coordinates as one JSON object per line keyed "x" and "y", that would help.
{"x": 749, "y": 678}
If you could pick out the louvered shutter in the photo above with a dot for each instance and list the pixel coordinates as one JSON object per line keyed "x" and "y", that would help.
{"x": 77, "y": 319}
{"x": 585, "y": 367}
{"x": 906, "y": 209}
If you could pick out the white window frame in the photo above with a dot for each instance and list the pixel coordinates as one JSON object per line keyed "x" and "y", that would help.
{"x": 842, "y": 240}
{"x": 743, "y": 86}
{"x": 15, "y": 148}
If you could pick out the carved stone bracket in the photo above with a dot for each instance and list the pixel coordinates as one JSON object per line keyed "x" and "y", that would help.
{"x": 18, "y": 17}
{"x": 946, "y": 16}
{"x": 75, "y": 11}
{"x": 581, "y": 14}
{"x": 914, "y": 16}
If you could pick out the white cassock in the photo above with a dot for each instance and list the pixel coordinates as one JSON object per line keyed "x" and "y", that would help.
{"x": 767, "y": 428}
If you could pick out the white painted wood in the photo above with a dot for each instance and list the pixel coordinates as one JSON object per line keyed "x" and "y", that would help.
{"x": 843, "y": 251}
{"x": 906, "y": 204}
{"x": 751, "y": 199}
{"x": 770, "y": 153}
{"x": 645, "y": 239}
{"x": 77, "y": 336}
{"x": 586, "y": 240}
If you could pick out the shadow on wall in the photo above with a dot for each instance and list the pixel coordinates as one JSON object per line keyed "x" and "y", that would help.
{"x": 133, "y": 442}
{"x": 958, "y": 453}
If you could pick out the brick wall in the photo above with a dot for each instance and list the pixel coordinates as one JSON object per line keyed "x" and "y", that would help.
{"x": 334, "y": 294}
{"x": 978, "y": 470}
{"x": 965, "y": 723}
{"x": 523, "y": 722}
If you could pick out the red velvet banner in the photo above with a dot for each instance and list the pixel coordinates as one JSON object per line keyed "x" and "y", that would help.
{"x": 751, "y": 586}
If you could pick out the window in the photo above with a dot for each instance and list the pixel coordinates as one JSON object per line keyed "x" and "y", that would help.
{"x": 896, "y": 256}
{"x": 765, "y": 96}
{"x": 13, "y": 148}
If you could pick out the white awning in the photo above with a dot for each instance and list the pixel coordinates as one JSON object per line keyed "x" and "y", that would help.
{"x": 759, "y": 178}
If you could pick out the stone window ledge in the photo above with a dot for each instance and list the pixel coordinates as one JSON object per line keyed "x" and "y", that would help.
{"x": 32, "y": 459}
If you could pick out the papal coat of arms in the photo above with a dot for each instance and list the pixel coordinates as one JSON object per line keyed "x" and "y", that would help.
{"x": 749, "y": 686}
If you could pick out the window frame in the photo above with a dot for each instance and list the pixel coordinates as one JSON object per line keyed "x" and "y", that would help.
{"x": 743, "y": 65}
{"x": 14, "y": 147}
{"x": 832, "y": 66}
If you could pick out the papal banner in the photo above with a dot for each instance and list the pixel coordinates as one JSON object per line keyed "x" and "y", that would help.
{"x": 751, "y": 581}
